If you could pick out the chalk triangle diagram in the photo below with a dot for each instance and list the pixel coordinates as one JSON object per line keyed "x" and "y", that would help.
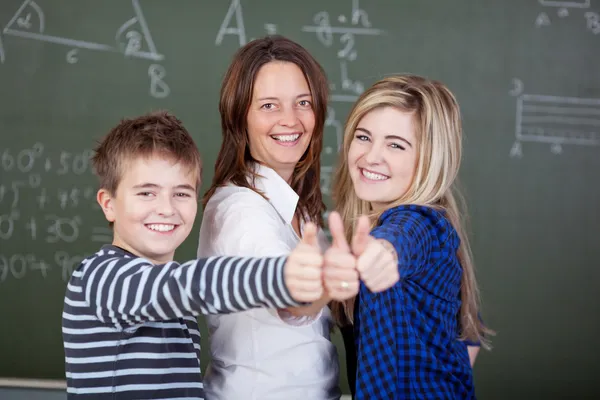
{"x": 28, "y": 18}
{"x": 133, "y": 38}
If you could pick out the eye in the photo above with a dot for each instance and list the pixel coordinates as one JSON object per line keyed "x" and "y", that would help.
{"x": 182, "y": 194}
{"x": 305, "y": 103}
{"x": 397, "y": 146}
{"x": 145, "y": 194}
{"x": 362, "y": 138}
{"x": 268, "y": 106}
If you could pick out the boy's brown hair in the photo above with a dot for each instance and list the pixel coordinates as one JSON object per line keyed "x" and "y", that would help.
{"x": 158, "y": 132}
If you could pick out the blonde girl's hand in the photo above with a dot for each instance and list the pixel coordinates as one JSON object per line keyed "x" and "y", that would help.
{"x": 376, "y": 259}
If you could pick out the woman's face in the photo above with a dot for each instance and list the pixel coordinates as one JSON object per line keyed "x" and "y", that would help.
{"x": 281, "y": 118}
{"x": 382, "y": 156}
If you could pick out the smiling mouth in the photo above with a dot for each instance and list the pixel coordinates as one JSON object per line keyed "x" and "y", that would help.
{"x": 291, "y": 138}
{"x": 373, "y": 176}
{"x": 161, "y": 228}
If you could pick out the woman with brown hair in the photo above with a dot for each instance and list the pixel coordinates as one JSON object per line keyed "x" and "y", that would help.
{"x": 266, "y": 185}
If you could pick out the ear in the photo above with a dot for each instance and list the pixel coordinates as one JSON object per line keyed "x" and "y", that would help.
{"x": 105, "y": 200}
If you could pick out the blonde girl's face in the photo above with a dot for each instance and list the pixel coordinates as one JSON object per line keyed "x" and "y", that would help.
{"x": 382, "y": 156}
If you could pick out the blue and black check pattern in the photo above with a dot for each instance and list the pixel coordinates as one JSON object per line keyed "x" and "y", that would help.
{"x": 406, "y": 336}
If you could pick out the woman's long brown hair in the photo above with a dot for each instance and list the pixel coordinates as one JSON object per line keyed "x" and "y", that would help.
{"x": 234, "y": 161}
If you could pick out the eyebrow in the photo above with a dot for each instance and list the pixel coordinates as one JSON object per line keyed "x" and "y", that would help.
{"x": 276, "y": 98}
{"x": 155, "y": 186}
{"x": 393, "y": 137}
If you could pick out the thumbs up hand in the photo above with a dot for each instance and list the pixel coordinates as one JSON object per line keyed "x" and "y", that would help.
{"x": 340, "y": 276}
{"x": 303, "y": 269}
{"x": 376, "y": 259}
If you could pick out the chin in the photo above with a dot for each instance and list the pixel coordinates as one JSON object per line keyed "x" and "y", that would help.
{"x": 373, "y": 197}
{"x": 365, "y": 196}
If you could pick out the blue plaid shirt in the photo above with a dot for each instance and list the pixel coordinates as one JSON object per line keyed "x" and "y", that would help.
{"x": 406, "y": 336}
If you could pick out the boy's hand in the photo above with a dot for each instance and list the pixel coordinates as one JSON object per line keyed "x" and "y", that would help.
{"x": 376, "y": 259}
{"x": 340, "y": 276}
{"x": 303, "y": 269}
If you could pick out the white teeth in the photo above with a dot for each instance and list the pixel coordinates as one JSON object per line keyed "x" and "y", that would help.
{"x": 161, "y": 227}
{"x": 373, "y": 176}
{"x": 287, "y": 138}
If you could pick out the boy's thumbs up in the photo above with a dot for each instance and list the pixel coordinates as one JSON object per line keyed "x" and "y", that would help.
{"x": 303, "y": 270}
{"x": 361, "y": 237}
{"x": 336, "y": 227}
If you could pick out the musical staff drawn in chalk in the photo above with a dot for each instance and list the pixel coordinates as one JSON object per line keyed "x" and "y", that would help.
{"x": 557, "y": 121}
{"x": 566, "y": 4}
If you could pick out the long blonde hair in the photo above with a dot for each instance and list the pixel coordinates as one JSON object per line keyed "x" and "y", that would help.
{"x": 439, "y": 151}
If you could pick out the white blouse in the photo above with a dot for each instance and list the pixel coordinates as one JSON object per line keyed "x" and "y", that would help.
{"x": 261, "y": 354}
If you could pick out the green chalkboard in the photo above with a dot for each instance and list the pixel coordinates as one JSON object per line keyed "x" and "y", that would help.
{"x": 526, "y": 76}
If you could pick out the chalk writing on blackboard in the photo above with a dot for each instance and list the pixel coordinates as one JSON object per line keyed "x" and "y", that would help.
{"x": 556, "y": 121}
{"x": 132, "y": 39}
{"x": 1, "y": 51}
{"x": 348, "y": 28}
{"x": 235, "y": 10}
{"x": 592, "y": 19}
{"x": 340, "y": 32}
{"x": 331, "y": 121}
{"x": 233, "y": 25}
{"x": 41, "y": 211}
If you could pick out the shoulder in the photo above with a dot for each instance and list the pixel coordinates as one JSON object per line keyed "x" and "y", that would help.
{"x": 108, "y": 257}
{"x": 239, "y": 207}
{"x": 415, "y": 217}
{"x": 106, "y": 253}
{"x": 232, "y": 199}
{"x": 236, "y": 219}
{"x": 415, "y": 223}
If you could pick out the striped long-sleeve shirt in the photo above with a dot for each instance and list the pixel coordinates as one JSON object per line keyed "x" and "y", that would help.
{"x": 129, "y": 327}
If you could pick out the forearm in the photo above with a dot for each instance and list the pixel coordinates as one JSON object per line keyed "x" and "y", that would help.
{"x": 138, "y": 291}
{"x": 311, "y": 310}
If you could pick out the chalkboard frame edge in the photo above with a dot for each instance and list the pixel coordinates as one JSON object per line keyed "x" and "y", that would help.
{"x": 56, "y": 384}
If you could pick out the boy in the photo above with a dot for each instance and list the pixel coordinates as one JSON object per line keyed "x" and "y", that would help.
{"x": 129, "y": 326}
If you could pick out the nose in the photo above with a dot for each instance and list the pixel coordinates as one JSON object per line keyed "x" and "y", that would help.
{"x": 164, "y": 205}
{"x": 374, "y": 155}
{"x": 288, "y": 117}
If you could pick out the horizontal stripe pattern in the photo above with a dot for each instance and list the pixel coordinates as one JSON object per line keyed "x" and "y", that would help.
{"x": 129, "y": 327}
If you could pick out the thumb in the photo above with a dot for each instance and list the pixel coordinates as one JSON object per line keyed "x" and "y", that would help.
{"x": 309, "y": 235}
{"x": 361, "y": 235}
{"x": 336, "y": 227}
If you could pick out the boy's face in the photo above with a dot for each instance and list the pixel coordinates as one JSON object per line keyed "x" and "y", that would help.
{"x": 154, "y": 207}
